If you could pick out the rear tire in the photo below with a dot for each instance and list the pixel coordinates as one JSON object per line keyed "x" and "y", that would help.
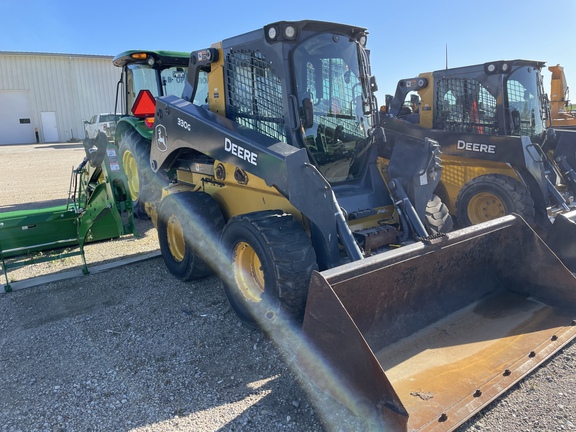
{"x": 189, "y": 227}
{"x": 438, "y": 217}
{"x": 491, "y": 196}
{"x": 272, "y": 259}
{"x": 143, "y": 184}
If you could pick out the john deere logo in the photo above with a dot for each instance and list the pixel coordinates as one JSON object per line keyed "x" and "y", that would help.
{"x": 161, "y": 138}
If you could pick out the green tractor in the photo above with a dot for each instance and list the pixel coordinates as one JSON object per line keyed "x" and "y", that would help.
{"x": 145, "y": 76}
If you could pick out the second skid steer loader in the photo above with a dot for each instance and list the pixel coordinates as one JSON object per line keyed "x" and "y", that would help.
{"x": 281, "y": 182}
{"x": 491, "y": 123}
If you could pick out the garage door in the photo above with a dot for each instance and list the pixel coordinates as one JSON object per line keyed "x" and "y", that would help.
{"x": 15, "y": 118}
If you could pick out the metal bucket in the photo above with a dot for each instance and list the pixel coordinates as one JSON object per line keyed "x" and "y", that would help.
{"x": 423, "y": 337}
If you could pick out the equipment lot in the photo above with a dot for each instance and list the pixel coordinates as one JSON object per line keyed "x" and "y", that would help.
{"x": 135, "y": 349}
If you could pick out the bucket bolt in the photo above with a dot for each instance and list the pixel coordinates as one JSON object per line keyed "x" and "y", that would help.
{"x": 507, "y": 372}
{"x": 443, "y": 417}
{"x": 477, "y": 393}
{"x": 554, "y": 337}
{"x": 532, "y": 354}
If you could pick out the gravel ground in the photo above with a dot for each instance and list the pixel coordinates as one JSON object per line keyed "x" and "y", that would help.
{"x": 134, "y": 349}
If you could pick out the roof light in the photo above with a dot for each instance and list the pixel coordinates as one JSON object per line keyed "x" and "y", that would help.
{"x": 290, "y": 32}
{"x": 491, "y": 67}
{"x": 505, "y": 67}
{"x": 272, "y": 32}
{"x": 144, "y": 105}
{"x": 363, "y": 40}
{"x": 139, "y": 56}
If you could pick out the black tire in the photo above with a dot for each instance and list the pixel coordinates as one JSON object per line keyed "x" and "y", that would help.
{"x": 143, "y": 184}
{"x": 189, "y": 228}
{"x": 272, "y": 259}
{"x": 438, "y": 217}
{"x": 491, "y": 196}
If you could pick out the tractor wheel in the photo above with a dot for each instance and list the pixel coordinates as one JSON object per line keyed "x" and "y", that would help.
{"x": 438, "y": 217}
{"x": 272, "y": 259}
{"x": 189, "y": 227}
{"x": 491, "y": 196}
{"x": 143, "y": 184}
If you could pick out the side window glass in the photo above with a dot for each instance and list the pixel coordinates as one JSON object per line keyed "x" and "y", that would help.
{"x": 173, "y": 80}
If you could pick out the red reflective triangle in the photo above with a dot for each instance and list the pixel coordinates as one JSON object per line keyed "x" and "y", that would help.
{"x": 145, "y": 104}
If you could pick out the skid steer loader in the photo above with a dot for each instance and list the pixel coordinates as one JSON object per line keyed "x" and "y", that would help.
{"x": 98, "y": 208}
{"x": 282, "y": 182}
{"x": 499, "y": 156}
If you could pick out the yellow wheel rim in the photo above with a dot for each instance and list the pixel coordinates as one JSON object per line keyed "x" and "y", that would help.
{"x": 131, "y": 170}
{"x": 175, "y": 238}
{"x": 485, "y": 206}
{"x": 248, "y": 272}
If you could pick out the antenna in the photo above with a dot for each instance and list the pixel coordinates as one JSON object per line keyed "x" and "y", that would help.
{"x": 446, "y": 56}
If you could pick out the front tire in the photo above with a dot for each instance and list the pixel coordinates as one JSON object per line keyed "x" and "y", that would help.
{"x": 189, "y": 227}
{"x": 491, "y": 196}
{"x": 272, "y": 259}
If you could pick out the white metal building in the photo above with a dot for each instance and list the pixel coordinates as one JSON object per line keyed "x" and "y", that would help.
{"x": 46, "y": 97}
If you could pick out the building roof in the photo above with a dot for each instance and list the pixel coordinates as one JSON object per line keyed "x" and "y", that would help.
{"x": 41, "y": 54}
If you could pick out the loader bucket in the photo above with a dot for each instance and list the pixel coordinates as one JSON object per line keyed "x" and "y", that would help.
{"x": 562, "y": 238}
{"x": 422, "y": 337}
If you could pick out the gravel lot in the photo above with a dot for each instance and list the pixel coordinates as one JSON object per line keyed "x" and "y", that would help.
{"x": 134, "y": 349}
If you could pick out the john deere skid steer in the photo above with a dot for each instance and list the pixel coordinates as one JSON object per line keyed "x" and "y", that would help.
{"x": 499, "y": 156}
{"x": 280, "y": 180}
{"x": 98, "y": 208}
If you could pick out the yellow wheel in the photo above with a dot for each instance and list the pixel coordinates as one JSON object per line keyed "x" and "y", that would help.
{"x": 175, "y": 238}
{"x": 248, "y": 272}
{"x": 189, "y": 228}
{"x": 484, "y": 207}
{"x": 271, "y": 258}
{"x": 492, "y": 196}
{"x": 131, "y": 171}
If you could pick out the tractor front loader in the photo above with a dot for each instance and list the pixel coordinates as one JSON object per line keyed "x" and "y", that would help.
{"x": 98, "y": 208}
{"x": 498, "y": 154}
{"x": 281, "y": 181}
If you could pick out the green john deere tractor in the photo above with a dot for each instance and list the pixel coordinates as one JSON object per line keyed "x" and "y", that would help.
{"x": 145, "y": 76}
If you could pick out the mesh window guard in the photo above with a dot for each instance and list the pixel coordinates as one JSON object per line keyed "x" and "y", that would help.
{"x": 464, "y": 105}
{"x": 255, "y": 94}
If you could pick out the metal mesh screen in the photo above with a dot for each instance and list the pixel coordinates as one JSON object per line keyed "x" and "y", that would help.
{"x": 464, "y": 105}
{"x": 255, "y": 94}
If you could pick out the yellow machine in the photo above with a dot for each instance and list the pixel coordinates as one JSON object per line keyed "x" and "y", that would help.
{"x": 275, "y": 175}
{"x": 559, "y": 99}
{"x": 499, "y": 157}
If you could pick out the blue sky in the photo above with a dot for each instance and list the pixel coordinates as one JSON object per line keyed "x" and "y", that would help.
{"x": 406, "y": 37}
